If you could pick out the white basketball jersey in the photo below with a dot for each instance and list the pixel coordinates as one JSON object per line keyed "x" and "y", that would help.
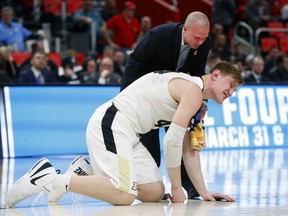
{"x": 147, "y": 102}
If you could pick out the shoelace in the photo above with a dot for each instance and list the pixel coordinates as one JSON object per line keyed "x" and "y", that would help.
{"x": 41, "y": 194}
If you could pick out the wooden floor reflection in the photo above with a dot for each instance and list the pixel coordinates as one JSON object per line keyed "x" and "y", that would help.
{"x": 257, "y": 178}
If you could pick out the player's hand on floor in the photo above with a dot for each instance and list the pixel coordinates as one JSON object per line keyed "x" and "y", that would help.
{"x": 216, "y": 196}
{"x": 178, "y": 195}
{"x": 219, "y": 196}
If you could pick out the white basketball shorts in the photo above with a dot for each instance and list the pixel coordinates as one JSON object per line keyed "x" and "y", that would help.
{"x": 116, "y": 151}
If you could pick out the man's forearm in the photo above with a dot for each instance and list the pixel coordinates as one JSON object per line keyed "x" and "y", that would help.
{"x": 175, "y": 177}
{"x": 192, "y": 164}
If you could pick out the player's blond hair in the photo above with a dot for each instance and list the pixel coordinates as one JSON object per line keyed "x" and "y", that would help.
{"x": 227, "y": 68}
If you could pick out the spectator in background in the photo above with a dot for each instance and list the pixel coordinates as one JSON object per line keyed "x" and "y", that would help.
{"x": 70, "y": 59}
{"x": 248, "y": 62}
{"x": 212, "y": 59}
{"x": 69, "y": 76}
{"x": 223, "y": 12}
{"x": 216, "y": 30}
{"x": 8, "y": 64}
{"x": 240, "y": 65}
{"x": 108, "y": 51}
{"x": 119, "y": 62}
{"x": 109, "y": 10}
{"x": 257, "y": 75}
{"x": 50, "y": 66}
{"x": 117, "y": 56}
{"x": 146, "y": 24}
{"x": 84, "y": 17}
{"x": 125, "y": 28}
{"x": 4, "y": 78}
{"x": 239, "y": 53}
{"x": 14, "y": 34}
{"x": 106, "y": 75}
{"x": 270, "y": 60}
{"x": 88, "y": 71}
{"x": 279, "y": 73}
{"x": 221, "y": 48}
{"x": 257, "y": 13}
{"x": 284, "y": 13}
{"x": 38, "y": 72}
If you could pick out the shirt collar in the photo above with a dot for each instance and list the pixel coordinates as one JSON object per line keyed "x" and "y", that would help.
{"x": 35, "y": 71}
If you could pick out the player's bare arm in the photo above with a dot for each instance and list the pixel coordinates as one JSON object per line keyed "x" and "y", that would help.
{"x": 191, "y": 158}
{"x": 189, "y": 97}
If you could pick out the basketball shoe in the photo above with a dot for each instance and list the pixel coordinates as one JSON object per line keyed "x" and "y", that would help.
{"x": 36, "y": 180}
{"x": 79, "y": 166}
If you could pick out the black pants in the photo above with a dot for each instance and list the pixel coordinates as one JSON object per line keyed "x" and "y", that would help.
{"x": 151, "y": 141}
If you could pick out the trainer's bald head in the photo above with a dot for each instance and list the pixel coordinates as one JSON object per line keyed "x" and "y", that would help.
{"x": 197, "y": 17}
{"x": 196, "y": 29}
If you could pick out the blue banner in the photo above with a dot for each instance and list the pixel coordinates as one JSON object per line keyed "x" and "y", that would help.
{"x": 52, "y": 120}
{"x": 255, "y": 116}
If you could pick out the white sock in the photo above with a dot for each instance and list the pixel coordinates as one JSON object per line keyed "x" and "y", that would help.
{"x": 61, "y": 183}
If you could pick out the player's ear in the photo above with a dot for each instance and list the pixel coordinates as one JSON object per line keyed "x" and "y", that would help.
{"x": 215, "y": 74}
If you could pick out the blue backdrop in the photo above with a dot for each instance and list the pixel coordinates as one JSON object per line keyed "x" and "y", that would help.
{"x": 47, "y": 120}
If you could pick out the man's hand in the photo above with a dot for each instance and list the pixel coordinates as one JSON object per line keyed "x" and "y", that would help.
{"x": 216, "y": 196}
{"x": 178, "y": 195}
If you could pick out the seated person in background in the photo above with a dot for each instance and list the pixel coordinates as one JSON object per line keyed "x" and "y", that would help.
{"x": 118, "y": 57}
{"x": 216, "y": 30}
{"x": 51, "y": 65}
{"x": 14, "y": 34}
{"x": 239, "y": 52}
{"x": 279, "y": 73}
{"x": 38, "y": 72}
{"x": 108, "y": 52}
{"x": 270, "y": 60}
{"x": 257, "y": 75}
{"x": 106, "y": 74}
{"x": 71, "y": 60}
{"x": 88, "y": 71}
{"x": 212, "y": 59}
{"x": 221, "y": 48}
{"x": 4, "y": 78}
{"x": 119, "y": 62}
{"x": 8, "y": 64}
{"x": 69, "y": 76}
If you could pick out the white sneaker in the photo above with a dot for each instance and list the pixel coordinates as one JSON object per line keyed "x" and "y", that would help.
{"x": 37, "y": 179}
{"x": 79, "y": 166}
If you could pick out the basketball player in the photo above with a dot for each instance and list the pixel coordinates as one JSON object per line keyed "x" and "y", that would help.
{"x": 123, "y": 168}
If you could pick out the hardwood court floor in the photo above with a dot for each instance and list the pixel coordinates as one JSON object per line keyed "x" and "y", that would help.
{"x": 257, "y": 178}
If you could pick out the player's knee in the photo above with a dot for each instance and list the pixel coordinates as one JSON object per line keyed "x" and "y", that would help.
{"x": 159, "y": 193}
{"x": 124, "y": 199}
{"x": 151, "y": 192}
